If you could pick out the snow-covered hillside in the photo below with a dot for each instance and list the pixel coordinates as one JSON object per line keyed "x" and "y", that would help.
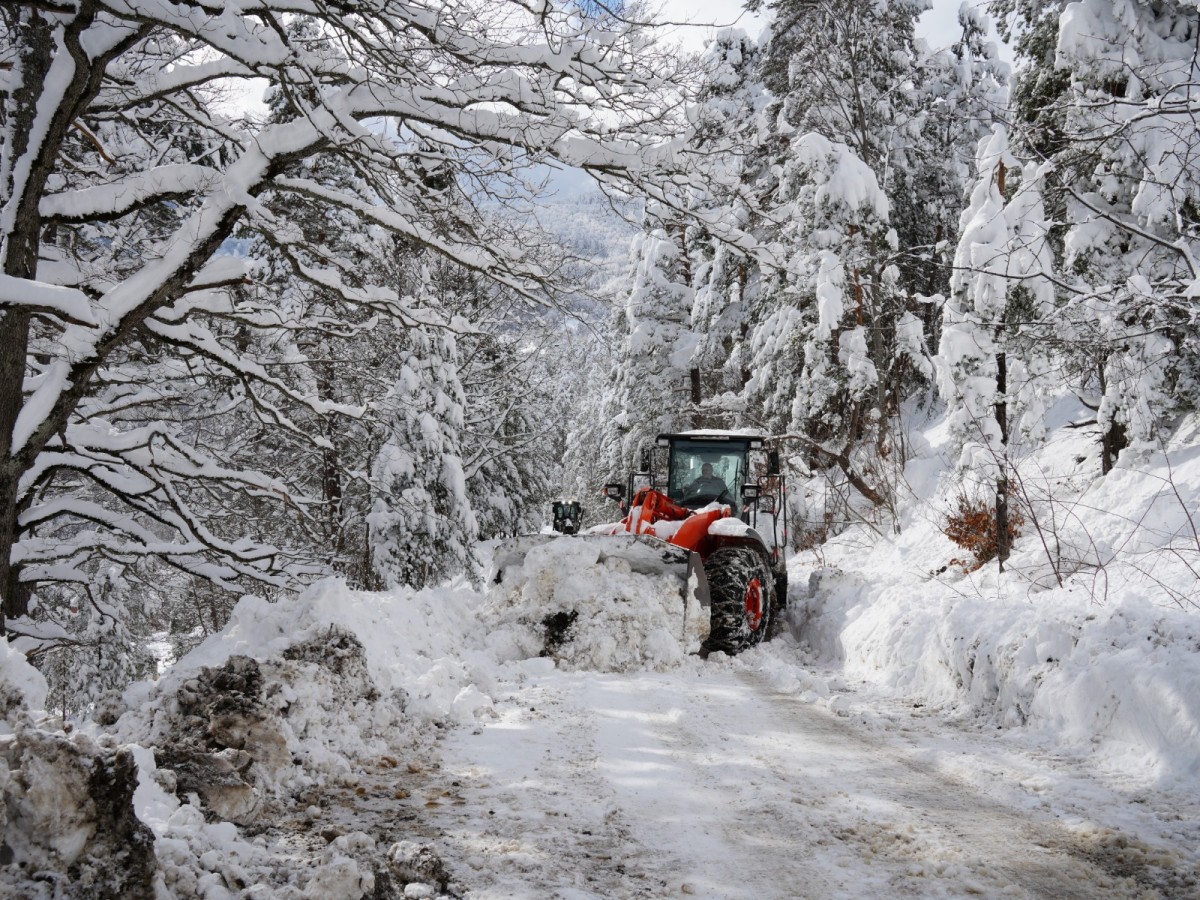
{"x": 596, "y": 232}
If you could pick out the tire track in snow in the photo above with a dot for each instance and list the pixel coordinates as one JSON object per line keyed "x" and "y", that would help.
{"x": 706, "y": 782}
{"x": 540, "y": 822}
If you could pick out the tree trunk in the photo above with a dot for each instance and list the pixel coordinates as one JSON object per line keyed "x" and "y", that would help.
{"x": 37, "y": 48}
{"x": 14, "y": 339}
{"x": 20, "y": 261}
{"x": 1002, "y": 541}
{"x": 331, "y": 468}
{"x": 859, "y": 482}
{"x": 1114, "y": 439}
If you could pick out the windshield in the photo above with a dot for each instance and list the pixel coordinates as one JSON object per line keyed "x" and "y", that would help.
{"x": 704, "y": 471}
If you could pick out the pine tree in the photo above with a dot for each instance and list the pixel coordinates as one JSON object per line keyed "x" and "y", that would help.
{"x": 855, "y": 215}
{"x": 650, "y": 374}
{"x": 422, "y": 527}
{"x": 1106, "y": 94}
{"x": 961, "y": 91}
{"x": 726, "y": 120}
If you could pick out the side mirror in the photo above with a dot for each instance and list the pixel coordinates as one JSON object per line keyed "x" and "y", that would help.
{"x": 614, "y": 491}
{"x": 773, "y": 462}
{"x": 750, "y": 492}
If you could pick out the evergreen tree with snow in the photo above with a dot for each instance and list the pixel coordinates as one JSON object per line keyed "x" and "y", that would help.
{"x": 961, "y": 91}
{"x": 1106, "y": 94}
{"x": 506, "y": 367}
{"x": 995, "y": 320}
{"x": 649, "y": 380}
{"x": 855, "y": 206}
{"x": 725, "y": 119}
{"x": 422, "y": 527}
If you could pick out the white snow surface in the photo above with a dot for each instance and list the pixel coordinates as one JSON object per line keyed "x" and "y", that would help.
{"x": 913, "y": 731}
{"x": 1105, "y": 665}
{"x": 425, "y": 644}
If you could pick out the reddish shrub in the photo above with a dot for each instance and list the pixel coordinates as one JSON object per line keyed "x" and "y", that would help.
{"x": 972, "y": 525}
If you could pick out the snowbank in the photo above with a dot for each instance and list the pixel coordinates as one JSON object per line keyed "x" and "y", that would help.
{"x": 22, "y": 688}
{"x": 260, "y": 730}
{"x": 427, "y": 644}
{"x": 1105, "y": 664}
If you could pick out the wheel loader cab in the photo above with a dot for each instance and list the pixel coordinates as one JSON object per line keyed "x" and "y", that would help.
{"x": 703, "y": 469}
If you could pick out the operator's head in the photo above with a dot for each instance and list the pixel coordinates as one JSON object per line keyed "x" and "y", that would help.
{"x": 706, "y": 470}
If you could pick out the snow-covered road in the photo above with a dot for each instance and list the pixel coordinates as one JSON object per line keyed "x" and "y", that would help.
{"x": 705, "y": 781}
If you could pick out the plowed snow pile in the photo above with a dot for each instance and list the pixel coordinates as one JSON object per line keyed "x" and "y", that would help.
{"x": 218, "y": 777}
{"x": 1105, "y": 664}
{"x": 568, "y": 603}
{"x": 221, "y": 775}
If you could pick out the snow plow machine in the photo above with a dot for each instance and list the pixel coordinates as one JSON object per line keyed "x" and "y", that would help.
{"x": 708, "y": 507}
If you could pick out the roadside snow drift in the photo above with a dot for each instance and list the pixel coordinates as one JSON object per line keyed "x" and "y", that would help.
{"x": 255, "y": 728}
{"x": 1107, "y": 664}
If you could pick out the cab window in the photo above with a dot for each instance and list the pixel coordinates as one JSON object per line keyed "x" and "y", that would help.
{"x": 690, "y": 485}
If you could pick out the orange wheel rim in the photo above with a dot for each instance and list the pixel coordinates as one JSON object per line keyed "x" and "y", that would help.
{"x": 754, "y": 605}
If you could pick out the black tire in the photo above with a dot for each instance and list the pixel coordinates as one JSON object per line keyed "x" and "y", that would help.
{"x": 742, "y": 590}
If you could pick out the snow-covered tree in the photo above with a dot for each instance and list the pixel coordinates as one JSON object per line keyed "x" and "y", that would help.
{"x": 1107, "y": 93}
{"x": 122, "y": 178}
{"x": 853, "y": 202}
{"x": 649, "y": 380}
{"x": 1002, "y": 296}
{"x": 512, "y": 443}
{"x": 508, "y": 366}
{"x": 101, "y": 642}
{"x": 319, "y": 346}
{"x": 960, "y": 92}
{"x": 838, "y": 226}
{"x": 421, "y": 524}
{"x": 726, "y": 120}
{"x": 585, "y": 407}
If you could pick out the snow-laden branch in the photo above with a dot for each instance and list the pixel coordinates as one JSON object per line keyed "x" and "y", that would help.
{"x": 127, "y": 185}
{"x": 127, "y": 193}
{"x": 65, "y": 303}
{"x": 199, "y": 340}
